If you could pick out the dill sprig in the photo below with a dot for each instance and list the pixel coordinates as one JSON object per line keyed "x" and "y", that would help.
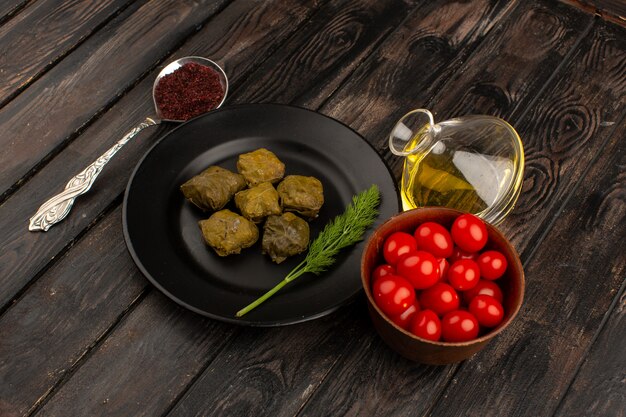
{"x": 341, "y": 232}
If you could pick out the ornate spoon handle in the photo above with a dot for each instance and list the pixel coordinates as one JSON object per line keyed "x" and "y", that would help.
{"x": 55, "y": 209}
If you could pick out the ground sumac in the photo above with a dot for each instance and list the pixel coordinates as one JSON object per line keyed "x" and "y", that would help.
{"x": 189, "y": 91}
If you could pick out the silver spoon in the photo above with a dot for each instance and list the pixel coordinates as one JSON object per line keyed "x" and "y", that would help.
{"x": 57, "y": 208}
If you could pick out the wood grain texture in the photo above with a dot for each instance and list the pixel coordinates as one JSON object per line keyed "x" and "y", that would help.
{"x": 611, "y": 10}
{"x": 124, "y": 354}
{"x": 567, "y": 294}
{"x": 567, "y": 128}
{"x": 265, "y": 372}
{"x": 522, "y": 54}
{"x": 195, "y": 402}
{"x": 9, "y": 8}
{"x": 55, "y": 324}
{"x": 409, "y": 66}
{"x": 504, "y": 74}
{"x": 324, "y": 52}
{"x": 245, "y": 23}
{"x": 598, "y": 388}
{"x": 62, "y": 25}
{"x": 563, "y": 132}
{"x": 344, "y": 394}
{"x": 71, "y": 95}
{"x": 103, "y": 365}
{"x": 507, "y": 71}
{"x": 245, "y": 26}
{"x": 154, "y": 352}
{"x": 372, "y": 380}
{"x": 248, "y": 32}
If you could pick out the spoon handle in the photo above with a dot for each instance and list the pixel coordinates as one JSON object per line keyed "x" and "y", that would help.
{"x": 57, "y": 208}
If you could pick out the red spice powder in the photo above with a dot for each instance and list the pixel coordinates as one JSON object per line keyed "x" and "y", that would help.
{"x": 189, "y": 91}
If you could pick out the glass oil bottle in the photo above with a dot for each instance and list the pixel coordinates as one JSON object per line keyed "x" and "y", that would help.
{"x": 471, "y": 163}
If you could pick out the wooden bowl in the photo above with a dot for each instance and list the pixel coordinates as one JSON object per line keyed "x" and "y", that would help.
{"x": 409, "y": 345}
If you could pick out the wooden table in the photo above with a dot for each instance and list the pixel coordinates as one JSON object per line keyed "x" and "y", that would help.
{"x": 83, "y": 333}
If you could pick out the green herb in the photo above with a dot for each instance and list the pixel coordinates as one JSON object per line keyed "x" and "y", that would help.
{"x": 343, "y": 231}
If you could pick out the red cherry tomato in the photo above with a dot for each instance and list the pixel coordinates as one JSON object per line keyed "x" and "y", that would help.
{"x": 492, "y": 264}
{"x": 469, "y": 233}
{"x": 444, "y": 266}
{"x": 393, "y": 294}
{"x": 458, "y": 254}
{"x": 483, "y": 288}
{"x": 420, "y": 268}
{"x": 405, "y": 318}
{"x": 488, "y": 310}
{"x": 464, "y": 274}
{"x": 440, "y": 298}
{"x": 398, "y": 244}
{"x": 382, "y": 271}
{"x": 459, "y": 326}
{"x": 426, "y": 325}
{"x": 434, "y": 238}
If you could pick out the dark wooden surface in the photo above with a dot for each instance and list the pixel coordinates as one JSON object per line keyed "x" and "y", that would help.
{"x": 612, "y": 10}
{"x": 83, "y": 333}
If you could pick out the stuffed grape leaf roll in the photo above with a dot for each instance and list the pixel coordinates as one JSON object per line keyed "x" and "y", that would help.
{"x": 260, "y": 166}
{"x": 228, "y": 233}
{"x": 284, "y": 236}
{"x": 258, "y": 202}
{"x": 300, "y": 194}
{"x": 213, "y": 188}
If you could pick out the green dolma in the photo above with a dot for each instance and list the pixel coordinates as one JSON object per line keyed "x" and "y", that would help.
{"x": 260, "y": 166}
{"x": 284, "y": 236}
{"x": 258, "y": 202}
{"x": 213, "y": 188}
{"x": 228, "y": 233}
{"x": 300, "y": 194}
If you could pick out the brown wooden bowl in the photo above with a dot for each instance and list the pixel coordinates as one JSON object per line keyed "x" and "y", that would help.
{"x": 409, "y": 345}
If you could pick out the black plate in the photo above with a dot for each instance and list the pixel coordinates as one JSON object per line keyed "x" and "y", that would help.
{"x": 161, "y": 228}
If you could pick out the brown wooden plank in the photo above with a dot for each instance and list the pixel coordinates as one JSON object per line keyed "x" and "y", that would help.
{"x": 411, "y": 66}
{"x": 92, "y": 77}
{"x": 567, "y": 128}
{"x": 243, "y": 23}
{"x": 55, "y": 324}
{"x": 260, "y": 373}
{"x": 615, "y": 7}
{"x": 209, "y": 391}
{"x": 568, "y": 293}
{"x": 257, "y": 27}
{"x": 345, "y": 395}
{"x": 611, "y": 10}
{"x": 374, "y": 344}
{"x": 96, "y": 363}
{"x": 522, "y": 55}
{"x": 535, "y": 361}
{"x": 598, "y": 388}
{"x": 370, "y": 373}
{"x": 338, "y": 390}
{"x": 156, "y": 353}
{"x": 324, "y": 52}
{"x": 63, "y": 25}
{"x": 9, "y": 8}
{"x": 477, "y": 87}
